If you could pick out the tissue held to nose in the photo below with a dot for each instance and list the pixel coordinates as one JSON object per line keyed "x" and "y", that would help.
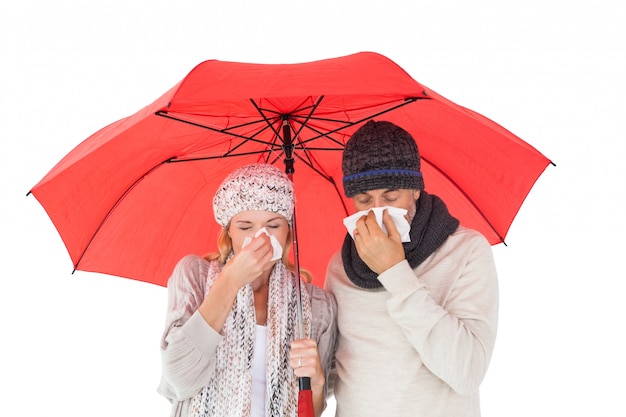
{"x": 397, "y": 215}
{"x": 278, "y": 249}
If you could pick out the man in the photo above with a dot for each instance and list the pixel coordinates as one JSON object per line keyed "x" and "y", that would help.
{"x": 417, "y": 320}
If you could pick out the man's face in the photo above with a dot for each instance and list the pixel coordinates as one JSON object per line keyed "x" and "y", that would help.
{"x": 400, "y": 198}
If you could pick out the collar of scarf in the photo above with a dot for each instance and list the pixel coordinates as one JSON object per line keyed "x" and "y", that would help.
{"x": 430, "y": 227}
{"x": 230, "y": 388}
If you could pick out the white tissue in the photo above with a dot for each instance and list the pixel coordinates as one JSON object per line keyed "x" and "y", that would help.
{"x": 397, "y": 215}
{"x": 278, "y": 249}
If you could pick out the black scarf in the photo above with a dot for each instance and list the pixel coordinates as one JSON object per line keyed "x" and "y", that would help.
{"x": 430, "y": 227}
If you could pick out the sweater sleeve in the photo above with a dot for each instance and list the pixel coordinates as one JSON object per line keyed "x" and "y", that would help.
{"x": 449, "y": 313}
{"x": 189, "y": 343}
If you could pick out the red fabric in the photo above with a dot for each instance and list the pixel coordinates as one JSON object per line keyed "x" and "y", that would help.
{"x": 121, "y": 210}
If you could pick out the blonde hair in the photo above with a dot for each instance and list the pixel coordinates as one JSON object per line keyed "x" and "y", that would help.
{"x": 225, "y": 246}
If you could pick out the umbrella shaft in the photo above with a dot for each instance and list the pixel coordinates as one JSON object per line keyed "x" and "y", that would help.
{"x": 296, "y": 263}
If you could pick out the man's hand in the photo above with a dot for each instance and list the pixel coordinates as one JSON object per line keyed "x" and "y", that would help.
{"x": 378, "y": 250}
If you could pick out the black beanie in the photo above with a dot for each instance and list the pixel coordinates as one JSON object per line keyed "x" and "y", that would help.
{"x": 380, "y": 155}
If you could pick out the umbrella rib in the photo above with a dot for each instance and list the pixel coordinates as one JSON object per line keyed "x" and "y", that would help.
{"x": 226, "y": 155}
{"x": 310, "y": 165}
{"x": 299, "y": 143}
{"x": 308, "y": 161}
{"x": 111, "y": 210}
{"x": 469, "y": 199}
{"x": 224, "y": 131}
{"x": 289, "y": 116}
{"x": 349, "y": 124}
{"x": 268, "y": 123}
{"x": 303, "y": 124}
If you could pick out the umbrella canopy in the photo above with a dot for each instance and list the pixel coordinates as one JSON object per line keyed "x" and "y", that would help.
{"x": 136, "y": 196}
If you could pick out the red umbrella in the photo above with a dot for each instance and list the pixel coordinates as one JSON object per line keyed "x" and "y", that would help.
{"x": 135, "y": 197}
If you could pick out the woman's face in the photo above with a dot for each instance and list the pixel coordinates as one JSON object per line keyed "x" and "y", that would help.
{"x": 247, "y": 223}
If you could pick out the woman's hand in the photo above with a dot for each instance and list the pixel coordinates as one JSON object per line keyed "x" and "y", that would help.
{"x": 250, "y": 262}
{"x": 248, "y": 265}
{"x": 305, "y": 361}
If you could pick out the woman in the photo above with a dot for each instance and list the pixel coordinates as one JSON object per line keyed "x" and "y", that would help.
{"x": 230, "y": 346}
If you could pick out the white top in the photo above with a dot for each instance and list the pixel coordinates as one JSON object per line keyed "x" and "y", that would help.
{"x": 258, "y": 373}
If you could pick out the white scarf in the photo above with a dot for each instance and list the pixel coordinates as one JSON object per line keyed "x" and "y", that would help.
{"x": 229, "y": 390}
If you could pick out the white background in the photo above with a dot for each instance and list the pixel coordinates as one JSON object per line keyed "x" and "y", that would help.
{"x": 553, "y": 72}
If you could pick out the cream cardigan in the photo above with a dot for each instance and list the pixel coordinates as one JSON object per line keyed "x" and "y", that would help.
{"x": 419, "y": 346}
{"x": 189, "y": 344}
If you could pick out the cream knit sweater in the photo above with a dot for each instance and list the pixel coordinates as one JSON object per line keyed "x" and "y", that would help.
{"x": 420, "y": 346}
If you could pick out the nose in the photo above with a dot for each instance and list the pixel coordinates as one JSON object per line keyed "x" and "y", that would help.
{"x": 378, "y": 202}
{"x": 258, "y": 229}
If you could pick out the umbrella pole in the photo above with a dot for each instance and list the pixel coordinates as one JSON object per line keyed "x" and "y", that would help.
{"x": 305, "y": 395}
{"x": 296, "y": 264}
{"x": 289, "y": 170}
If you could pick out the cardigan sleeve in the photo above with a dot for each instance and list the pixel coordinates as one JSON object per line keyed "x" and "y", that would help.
{"x": 324, "y": 329}
{"x": 449, "y": 313}
{"x": 324, "y": 312}
{"x": 189, "y": 343}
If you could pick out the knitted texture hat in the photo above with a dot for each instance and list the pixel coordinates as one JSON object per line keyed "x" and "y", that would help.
{"x": 254, "y": 187}
{"x": 381, "y": 155}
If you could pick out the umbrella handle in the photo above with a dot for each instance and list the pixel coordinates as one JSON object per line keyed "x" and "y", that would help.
{"x": 305, "y": 398}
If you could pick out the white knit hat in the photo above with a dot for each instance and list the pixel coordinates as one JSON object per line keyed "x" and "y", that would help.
{"x": 254, "y": 187}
